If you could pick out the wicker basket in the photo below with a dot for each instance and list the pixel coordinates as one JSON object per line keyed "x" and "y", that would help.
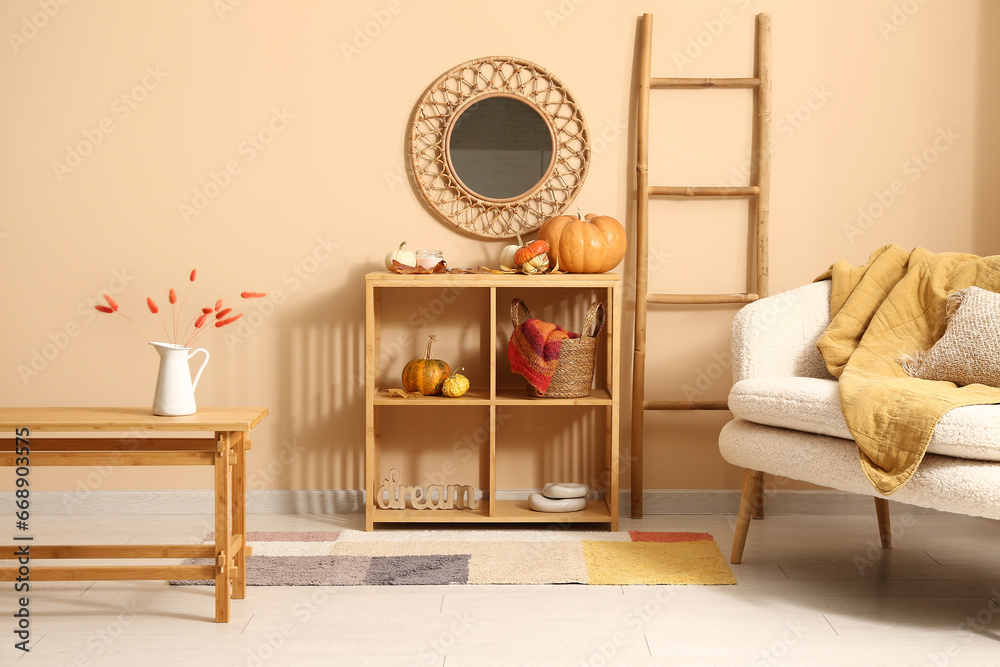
{"x": 574, "y": 374}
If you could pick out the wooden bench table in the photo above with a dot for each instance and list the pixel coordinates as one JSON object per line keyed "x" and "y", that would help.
{"x": 226, "y": 451}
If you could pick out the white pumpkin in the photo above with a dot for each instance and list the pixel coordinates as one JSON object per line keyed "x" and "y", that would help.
{"x": 402, "y": 256}
{"x": 507, "y": 256}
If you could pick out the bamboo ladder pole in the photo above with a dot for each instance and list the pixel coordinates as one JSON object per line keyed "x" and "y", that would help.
{"x": 763, "y": 182}
{"x": 763, "y": 151}
{"x": 641, "y": 263}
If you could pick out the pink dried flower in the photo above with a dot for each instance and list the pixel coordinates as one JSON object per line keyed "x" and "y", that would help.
{"x": 152, "y": 305}
{"x": 232, "y": 319}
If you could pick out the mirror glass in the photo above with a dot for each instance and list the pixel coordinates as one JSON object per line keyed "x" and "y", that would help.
{"x": 500, "y": 148}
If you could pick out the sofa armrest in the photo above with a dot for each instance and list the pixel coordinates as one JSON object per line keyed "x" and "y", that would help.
{"x": 776, "y": 336}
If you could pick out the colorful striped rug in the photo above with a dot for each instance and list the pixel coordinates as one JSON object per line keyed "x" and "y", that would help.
{"x": 407, "y": 557}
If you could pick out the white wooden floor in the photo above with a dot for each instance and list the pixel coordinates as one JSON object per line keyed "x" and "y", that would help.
{"x": 812, "y": 591}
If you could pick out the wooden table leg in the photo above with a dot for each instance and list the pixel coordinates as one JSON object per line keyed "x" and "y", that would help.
{"x": 223, "y": 527}
{"x": 240, "y": 513}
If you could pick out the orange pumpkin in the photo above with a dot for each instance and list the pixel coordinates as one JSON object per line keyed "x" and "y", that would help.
{"x": 593, "y": 245}
{"x": 426, "y": 375}
{"x": 530, "y": 251}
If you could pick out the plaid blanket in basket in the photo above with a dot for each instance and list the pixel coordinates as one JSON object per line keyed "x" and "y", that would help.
{"x": 533, "y": 351}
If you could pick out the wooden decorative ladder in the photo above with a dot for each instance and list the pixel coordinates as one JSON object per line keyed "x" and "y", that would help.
{"x": 759, "y": 187}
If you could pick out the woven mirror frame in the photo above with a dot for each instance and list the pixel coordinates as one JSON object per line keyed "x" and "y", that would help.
{"x": 454, "y": 92}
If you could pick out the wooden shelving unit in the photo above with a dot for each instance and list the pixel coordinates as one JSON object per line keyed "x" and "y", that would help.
{"x": 605, "y": 395}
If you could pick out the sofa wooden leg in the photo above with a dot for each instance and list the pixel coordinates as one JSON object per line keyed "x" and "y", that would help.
{"x": 748, "y": 500}
{"x": 758, "y": 501}
{"x": 884, "y": 528}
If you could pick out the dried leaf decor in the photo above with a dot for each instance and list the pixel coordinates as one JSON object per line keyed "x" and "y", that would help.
{"x": 196, "y": 326}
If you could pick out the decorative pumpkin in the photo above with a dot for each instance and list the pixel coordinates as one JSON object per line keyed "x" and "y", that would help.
{"x": 529, "y": 251}
{"x": 456, "y": 385}
{"x": 426, "y": 375}
{"x": 537, "y": 264}
{"x": 593, "y": 245}
{"x": 402, "y": 256}
{"x": 508, "y": 256}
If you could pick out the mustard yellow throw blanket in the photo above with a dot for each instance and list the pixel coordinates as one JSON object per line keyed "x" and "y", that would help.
{"x": 895, "y": 305}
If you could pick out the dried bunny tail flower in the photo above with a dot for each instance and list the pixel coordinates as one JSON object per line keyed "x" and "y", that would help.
{"x": 218, "y": 305}
{"x": 194, "y": 273}
{"x": 222, "y": 323}
{"x": 201, "y": 321}
{"x": 111, "y": 302}
{"x": 253, "y": 295}
{"x": 152, "y": 305}
{"x": 222, "y": 313}
{"x": 104, "y": 309}
{"x": 173, "y": 296}
{"x": 206, "y": 310}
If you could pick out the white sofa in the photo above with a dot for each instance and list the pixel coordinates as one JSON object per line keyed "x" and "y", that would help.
{"x": 788, "y": 421}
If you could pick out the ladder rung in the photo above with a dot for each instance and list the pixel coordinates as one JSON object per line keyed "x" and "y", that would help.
{"x": 685, "y": 191}
{"x": 660, "y": 82}
{"x": 701, "y": 298}
{"x": 685, "y": 405}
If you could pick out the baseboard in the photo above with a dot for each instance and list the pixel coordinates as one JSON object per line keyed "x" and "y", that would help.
{"x": 778, "y": 501}
{"x": 341, "y": 501}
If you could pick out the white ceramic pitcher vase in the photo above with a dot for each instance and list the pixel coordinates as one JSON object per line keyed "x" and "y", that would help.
{"x": 174, "y": 394}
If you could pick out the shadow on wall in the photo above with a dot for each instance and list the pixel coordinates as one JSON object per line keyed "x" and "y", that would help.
{"x": 986, "y": 206}
{"x": 322, "y": 381}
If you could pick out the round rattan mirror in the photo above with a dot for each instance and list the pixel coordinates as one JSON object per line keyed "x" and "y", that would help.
{"x": 497, "y": 145}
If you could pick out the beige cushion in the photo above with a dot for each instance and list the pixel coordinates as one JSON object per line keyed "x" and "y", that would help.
{"x": 812, "y": 405}
{"x": 969, "y": 350}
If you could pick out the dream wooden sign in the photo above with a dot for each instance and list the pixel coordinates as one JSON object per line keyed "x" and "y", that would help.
{"x": 391, "y": 495}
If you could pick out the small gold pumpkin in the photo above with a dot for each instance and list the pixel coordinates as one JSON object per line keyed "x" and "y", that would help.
{"x": 456, "y": 385}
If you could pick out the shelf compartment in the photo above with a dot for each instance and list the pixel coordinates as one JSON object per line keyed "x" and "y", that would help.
{"x": 471, "y": 397}
{"x": 507, "y": 511}
{"x": 410, "y": 515}
{"x": 517, "y": 511}
{"x": 504, "y": 397}
{"x": 520, "y": 397}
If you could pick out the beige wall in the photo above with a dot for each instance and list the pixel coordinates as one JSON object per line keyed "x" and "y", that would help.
{"x": 163, "y": 97}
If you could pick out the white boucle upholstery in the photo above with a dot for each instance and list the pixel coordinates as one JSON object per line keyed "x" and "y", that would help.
{"x": 788, "y": 420}
{"x": 776, "y": 336}
{"x": 941, "y": 482}
{"x": 813, "y": 405}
